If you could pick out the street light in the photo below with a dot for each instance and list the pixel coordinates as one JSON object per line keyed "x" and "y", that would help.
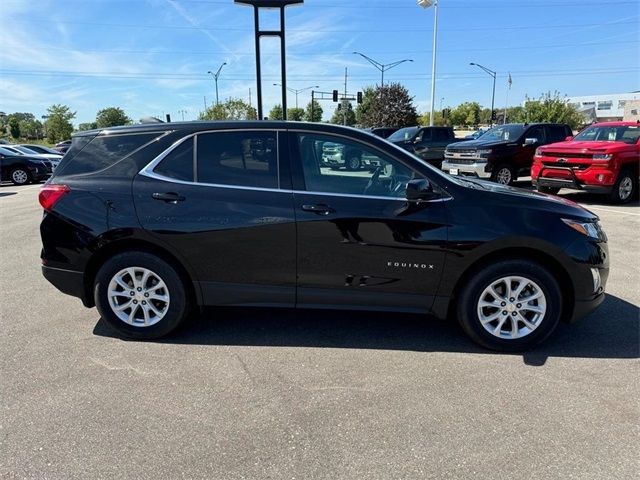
{"x": 493, "y": 95}
{"x": 215, "y": 77}
{"x": 293, "y": 90}
{"x": 426, "y": 4}
{"x": 380, "y": 66}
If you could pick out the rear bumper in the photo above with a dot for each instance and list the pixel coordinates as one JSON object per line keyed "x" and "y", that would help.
{"x": 67, "y": 281}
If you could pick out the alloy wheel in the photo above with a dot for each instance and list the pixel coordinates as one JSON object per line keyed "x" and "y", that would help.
{"x": 20, "y": 176}
{"x": 354, "y": 163}
{"x": 138, "y": 296}
{"x": 512, "y": 307}
{"x": 504, "y": 176}
{"x": 625, "y": 188}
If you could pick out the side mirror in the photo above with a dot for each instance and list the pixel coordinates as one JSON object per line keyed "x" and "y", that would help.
{"x": 569, "y": 138}
{"x": 530, "y": 141}
{"x": 419, "y": 189}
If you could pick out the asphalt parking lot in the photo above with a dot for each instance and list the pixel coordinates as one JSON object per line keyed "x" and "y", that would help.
{"x": 245, "y": 393}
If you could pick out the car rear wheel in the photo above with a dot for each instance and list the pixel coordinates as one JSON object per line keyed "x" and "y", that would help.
{"x": 20, "y": 176}
{"x": 625, "y": 188}
{"x": 503, "y": 174}
{"x": 140, "y": 295}
{"x": 353, "y": 163}
{"x": 510, "y": 306}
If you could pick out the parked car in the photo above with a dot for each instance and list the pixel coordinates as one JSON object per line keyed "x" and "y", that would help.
{"x": 602, "y": 158}
{"x": 22, "y": 169}
{"x": 351, "y": 158}
{"x": 42, "y": 150}
{"x": 149, "y": 222}
{"x": 502, "y": 153}
{"x": 428, "y": 143}
{"x": 382, "y": 132}
{"x": 52, "y": 159}
{"x": 63, "y": 146}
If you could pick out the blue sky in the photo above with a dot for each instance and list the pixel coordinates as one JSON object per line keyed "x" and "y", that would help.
{"x": 151, "y": 56}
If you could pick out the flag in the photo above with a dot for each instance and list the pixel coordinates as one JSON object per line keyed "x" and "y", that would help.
{"x": 509, "y": 81}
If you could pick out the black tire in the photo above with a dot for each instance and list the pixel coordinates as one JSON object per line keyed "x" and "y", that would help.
{"x": 619, "y": 194}
{"x": 504, "y": 174}
{"x": 353, "y": 163}
{"x": 470, "y": 296}
{"x": 178, "y": 305}
{"x": 549, "y": 190}
{"x": 20, "y": 176}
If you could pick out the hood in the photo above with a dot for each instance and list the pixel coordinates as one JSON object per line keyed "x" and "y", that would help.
{"x": 479, "y": 143}
{"x": 533, "y": 199}
{"x": 586, "y": 147}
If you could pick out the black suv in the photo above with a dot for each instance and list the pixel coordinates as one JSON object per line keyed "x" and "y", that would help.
{"x": 149, "y": 222}
{"x": 427, "y": 143}
{"x": 502, "y": 153}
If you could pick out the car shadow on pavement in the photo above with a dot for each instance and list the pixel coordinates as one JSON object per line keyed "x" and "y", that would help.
{"x": 7, "y": 194}
{"x": 610, "y": 332}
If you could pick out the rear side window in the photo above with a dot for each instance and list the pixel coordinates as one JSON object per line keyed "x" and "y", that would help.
{"x": 247, "y": 159}
{"x": 441, "y": 134}
{"x": 102, "y": 152}
{"x": 178, "y": 163}
{"x": 556, "y": 133}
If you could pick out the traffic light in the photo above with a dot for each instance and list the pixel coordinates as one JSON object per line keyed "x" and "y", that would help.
{"x": 335, "y": 95}
{"x": 359, "y": 97}
{"x": 339, "y": 107}
{"x": 445, "y": 113}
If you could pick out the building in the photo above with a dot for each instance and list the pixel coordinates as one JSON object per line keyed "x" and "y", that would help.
{"x": 604, "y": 108}
{"x": 632, "y": 111}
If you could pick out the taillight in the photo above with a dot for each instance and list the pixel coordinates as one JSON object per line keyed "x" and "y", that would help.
{"x": 50, "y": 194}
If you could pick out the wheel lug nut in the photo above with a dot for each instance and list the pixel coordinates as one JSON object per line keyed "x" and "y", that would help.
{"x": 132, "y": 293}
{"x": 135, "y": 302}
{"x": 514, "y": 314}
{"x": 504, "y": 304}
{"x": 519, "y": 305}
{"x": 511, "y": 299}
{"x": 143, "y": 302}
{"x": 139, "y": 289}
{"x": 504, "y": 312}
{"x": 146, "y": 295}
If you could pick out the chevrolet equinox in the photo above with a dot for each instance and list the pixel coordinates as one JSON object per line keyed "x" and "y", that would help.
{"x": 151, "y": 222}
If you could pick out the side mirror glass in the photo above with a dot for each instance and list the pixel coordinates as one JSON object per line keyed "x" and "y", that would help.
{"x": 419, "y": 189}
{"x": 569, "y": 138}
{"x": 530, "y": 141}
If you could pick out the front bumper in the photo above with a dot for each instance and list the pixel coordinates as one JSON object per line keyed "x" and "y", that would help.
{"x": 594, "y": 179}
{"x": 476, "y": 169}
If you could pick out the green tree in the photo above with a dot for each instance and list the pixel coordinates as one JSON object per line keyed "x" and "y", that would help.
{"x": 58, "y": 123}
{"x": 87, "y": 126}
{"x": 14, "y": 127}
{"x": 550, "y": 107}
{"x": 466, "y": 114}
{"x": 368, "y": 94}
{"x": 317, "y": 112}
{"x": 231, "y": 109}
{"x": 438, "y": 121}
{"x": 389, "y": 106}
{"x": 296, "y": 114}
{"x": 276, "y": 113}
{"x": 111, "y": 117}
{"x": 345, "y": 116}
{"x": 31, "y": 129}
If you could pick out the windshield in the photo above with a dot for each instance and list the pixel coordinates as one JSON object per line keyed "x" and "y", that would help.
{"x": 403, "y": 134}
{"x": 602, "y": 133}
{"x": 25, "y": 150}
{"x": 6, "y": 151}
{"x": 503, "y": 133}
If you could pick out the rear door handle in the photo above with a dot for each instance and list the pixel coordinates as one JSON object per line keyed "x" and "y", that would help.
{"x": 318, "y": 208}
{"x": 169, "y": 197}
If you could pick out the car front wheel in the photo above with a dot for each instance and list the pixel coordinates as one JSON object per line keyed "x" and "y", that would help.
{"x": 504, "y": 174}
{"x": 20, "y": 176}
{"x": 140, "y": 295}
{"x": 625, "y": 188}
{"x": 510, "y": 306}
{"x": 353, "y": 163}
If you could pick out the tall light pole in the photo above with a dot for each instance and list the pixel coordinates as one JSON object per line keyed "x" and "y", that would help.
{"x": 215, "y": 77}
{"x": 182, "y": 112}
{"x": 427, "y": 4}
{"x": 493, "y": 95}
{"x": 380, "y": 66}
{"x": 296, "y": 91}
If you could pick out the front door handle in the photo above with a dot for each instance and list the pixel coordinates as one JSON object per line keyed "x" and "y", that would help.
{"x": 319, "y": 208}
{"x": 169, "y": 197}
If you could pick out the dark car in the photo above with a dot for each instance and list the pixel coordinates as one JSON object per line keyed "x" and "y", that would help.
{"x": 149, "y": 222}
{"x": 62, "y": 147}
{"x": 502, "y": 153}
{"x": 427, "y": 143}
{"x": 382, "y": 132}
{"x": 22, "y": 169}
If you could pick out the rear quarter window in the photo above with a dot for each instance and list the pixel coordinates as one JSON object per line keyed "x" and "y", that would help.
{"x": 101, "y": 152}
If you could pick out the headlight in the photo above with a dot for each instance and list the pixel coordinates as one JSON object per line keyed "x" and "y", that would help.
{"x": 538, "y": 153}
{"x": 590, "y": 229}
{"x": 602, "y": 156}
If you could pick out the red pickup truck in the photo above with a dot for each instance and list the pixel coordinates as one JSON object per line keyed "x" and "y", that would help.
{"x": 602, "y": 158}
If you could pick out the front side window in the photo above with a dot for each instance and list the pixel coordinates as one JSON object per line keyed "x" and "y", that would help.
{"x": 537, "y": 133}
{"x": 246, "y": 159}
{"x": 376, "y": 174}
{"x": 403, "y": 134}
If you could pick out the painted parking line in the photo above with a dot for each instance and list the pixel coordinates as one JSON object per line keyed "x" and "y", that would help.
{"x": 622, "y": 212}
